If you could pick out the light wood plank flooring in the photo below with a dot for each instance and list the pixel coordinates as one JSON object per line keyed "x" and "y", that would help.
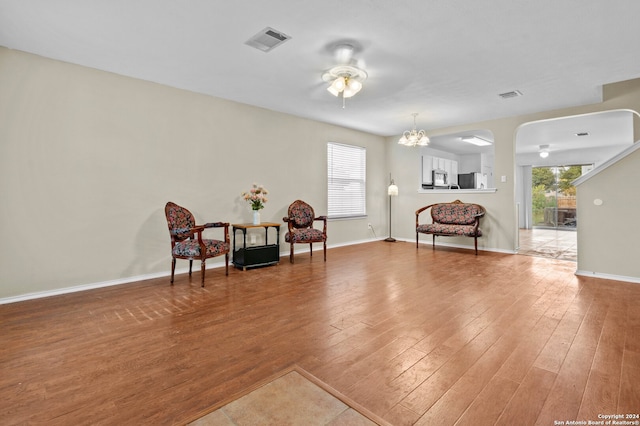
{"x": 416, "y": 336}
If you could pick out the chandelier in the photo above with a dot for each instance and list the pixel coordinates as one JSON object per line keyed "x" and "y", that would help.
{"x": 414, "y": 137}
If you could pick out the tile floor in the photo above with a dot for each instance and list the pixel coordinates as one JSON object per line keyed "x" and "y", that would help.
{"x": 557, "y": 244}
{"x": 290, "y": 399}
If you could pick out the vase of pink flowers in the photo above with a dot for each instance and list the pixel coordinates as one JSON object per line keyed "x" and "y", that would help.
{"x": 257, "y": 197}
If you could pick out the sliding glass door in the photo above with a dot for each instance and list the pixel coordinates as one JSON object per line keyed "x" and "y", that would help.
{"x": 554, "y": 196}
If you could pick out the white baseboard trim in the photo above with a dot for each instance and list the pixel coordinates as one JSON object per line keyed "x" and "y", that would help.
{"x": 92, "y": 286}
{"x": 593, "y": 274}
{"x": 462, "y": 246}
{"x": 83, "y": 287}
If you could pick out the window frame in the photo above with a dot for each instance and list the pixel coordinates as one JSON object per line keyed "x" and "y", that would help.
{"x": 349, "y": 175}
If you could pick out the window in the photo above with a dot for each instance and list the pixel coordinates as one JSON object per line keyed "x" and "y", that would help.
{"x": 346, "y": 176}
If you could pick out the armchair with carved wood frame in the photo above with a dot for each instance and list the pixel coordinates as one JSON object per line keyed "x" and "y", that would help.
{"x": 300, "y": 218}
{"x": 187, "y": 241}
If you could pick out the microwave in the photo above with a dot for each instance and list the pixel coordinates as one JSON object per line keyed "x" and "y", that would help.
{"x": 440, "y": 178}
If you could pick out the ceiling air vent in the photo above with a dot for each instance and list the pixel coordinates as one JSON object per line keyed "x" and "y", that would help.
{"x": 512, "y": 94}
{"x": 582, "y": 134}
{"x": 267, "y": 39}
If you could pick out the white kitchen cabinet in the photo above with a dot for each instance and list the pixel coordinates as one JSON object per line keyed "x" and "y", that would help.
{"x": 453, "y": 175}
{"x": 427, "y": 168}
{"x": 430, "y": 163}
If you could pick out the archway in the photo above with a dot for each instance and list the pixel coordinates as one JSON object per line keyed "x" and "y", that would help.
{"x": 573, "y": 144}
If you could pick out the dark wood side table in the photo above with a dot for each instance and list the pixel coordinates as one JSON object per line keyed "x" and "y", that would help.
{"x": 267, "y": 254}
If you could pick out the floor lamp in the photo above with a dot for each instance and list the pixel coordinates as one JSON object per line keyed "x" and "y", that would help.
{"x": 393, "y": 192}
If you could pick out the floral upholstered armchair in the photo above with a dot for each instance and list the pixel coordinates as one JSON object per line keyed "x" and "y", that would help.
{"x": 299, "y": 220}
{"x": 187, "y": 241}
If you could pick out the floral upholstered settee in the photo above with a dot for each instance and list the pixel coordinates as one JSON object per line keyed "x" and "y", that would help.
{"x": 450, "y": 220}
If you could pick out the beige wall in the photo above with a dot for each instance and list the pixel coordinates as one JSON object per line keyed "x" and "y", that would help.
{"x": 608, "y": 235}
{"x": 500, "y": 224}
{"x": 88, "y": 160}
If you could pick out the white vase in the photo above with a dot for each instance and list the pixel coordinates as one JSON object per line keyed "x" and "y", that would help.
{"x": 256, "y": 217}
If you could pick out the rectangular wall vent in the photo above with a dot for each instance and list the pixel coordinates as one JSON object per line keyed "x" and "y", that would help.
{"x": 267, "y": 39}
{"x": 512, "y": 94}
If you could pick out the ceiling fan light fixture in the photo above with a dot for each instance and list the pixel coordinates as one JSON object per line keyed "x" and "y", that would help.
{"x": 344, "y": 79}
{"x": 352, "y": 87}
{"x": 333, "y": 90}
{"x": 337, "y": 86}
{"x": 347, "y": 93}
{"x": 475, "y": 140}
{"x": 340, "y": 83}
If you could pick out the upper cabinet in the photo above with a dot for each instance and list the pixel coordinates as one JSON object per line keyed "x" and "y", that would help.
{"x": 439, "y": 172}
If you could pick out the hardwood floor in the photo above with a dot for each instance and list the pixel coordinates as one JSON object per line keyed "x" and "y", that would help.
{"x": 416, "y": 336}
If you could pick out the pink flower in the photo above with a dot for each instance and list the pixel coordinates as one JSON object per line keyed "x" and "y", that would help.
{"x": 256, "y": 196}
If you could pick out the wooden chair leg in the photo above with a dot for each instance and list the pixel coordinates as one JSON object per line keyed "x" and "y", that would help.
{"x": 226, "y": 264}
{"x": 433, "y": 245}
{"x": 325, "y": 251}
{"x": 202, "y": 268}
{"x": 190, "y": 265}
{"x": 291, "y": 252}
{"x": 417, "y": 239}
{"x": 311, "y": 249}
{"x": 476, "y": 244}
{"x": 173, "y": 269}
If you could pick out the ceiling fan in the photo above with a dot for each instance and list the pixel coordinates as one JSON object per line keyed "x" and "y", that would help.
{"x": 345, "y": 78}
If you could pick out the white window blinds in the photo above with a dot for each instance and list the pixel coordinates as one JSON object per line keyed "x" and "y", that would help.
{"x": 346, "y": 173}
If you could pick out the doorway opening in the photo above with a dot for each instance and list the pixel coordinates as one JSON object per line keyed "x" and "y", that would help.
{"x": 554, "y": 213}
{"x": 555, "y": 149}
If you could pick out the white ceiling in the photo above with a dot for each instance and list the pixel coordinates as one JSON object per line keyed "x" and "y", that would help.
{"x": 446, "y": 60}
{"x": 454, "y": 144}
{"x": 602, "y": 136}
